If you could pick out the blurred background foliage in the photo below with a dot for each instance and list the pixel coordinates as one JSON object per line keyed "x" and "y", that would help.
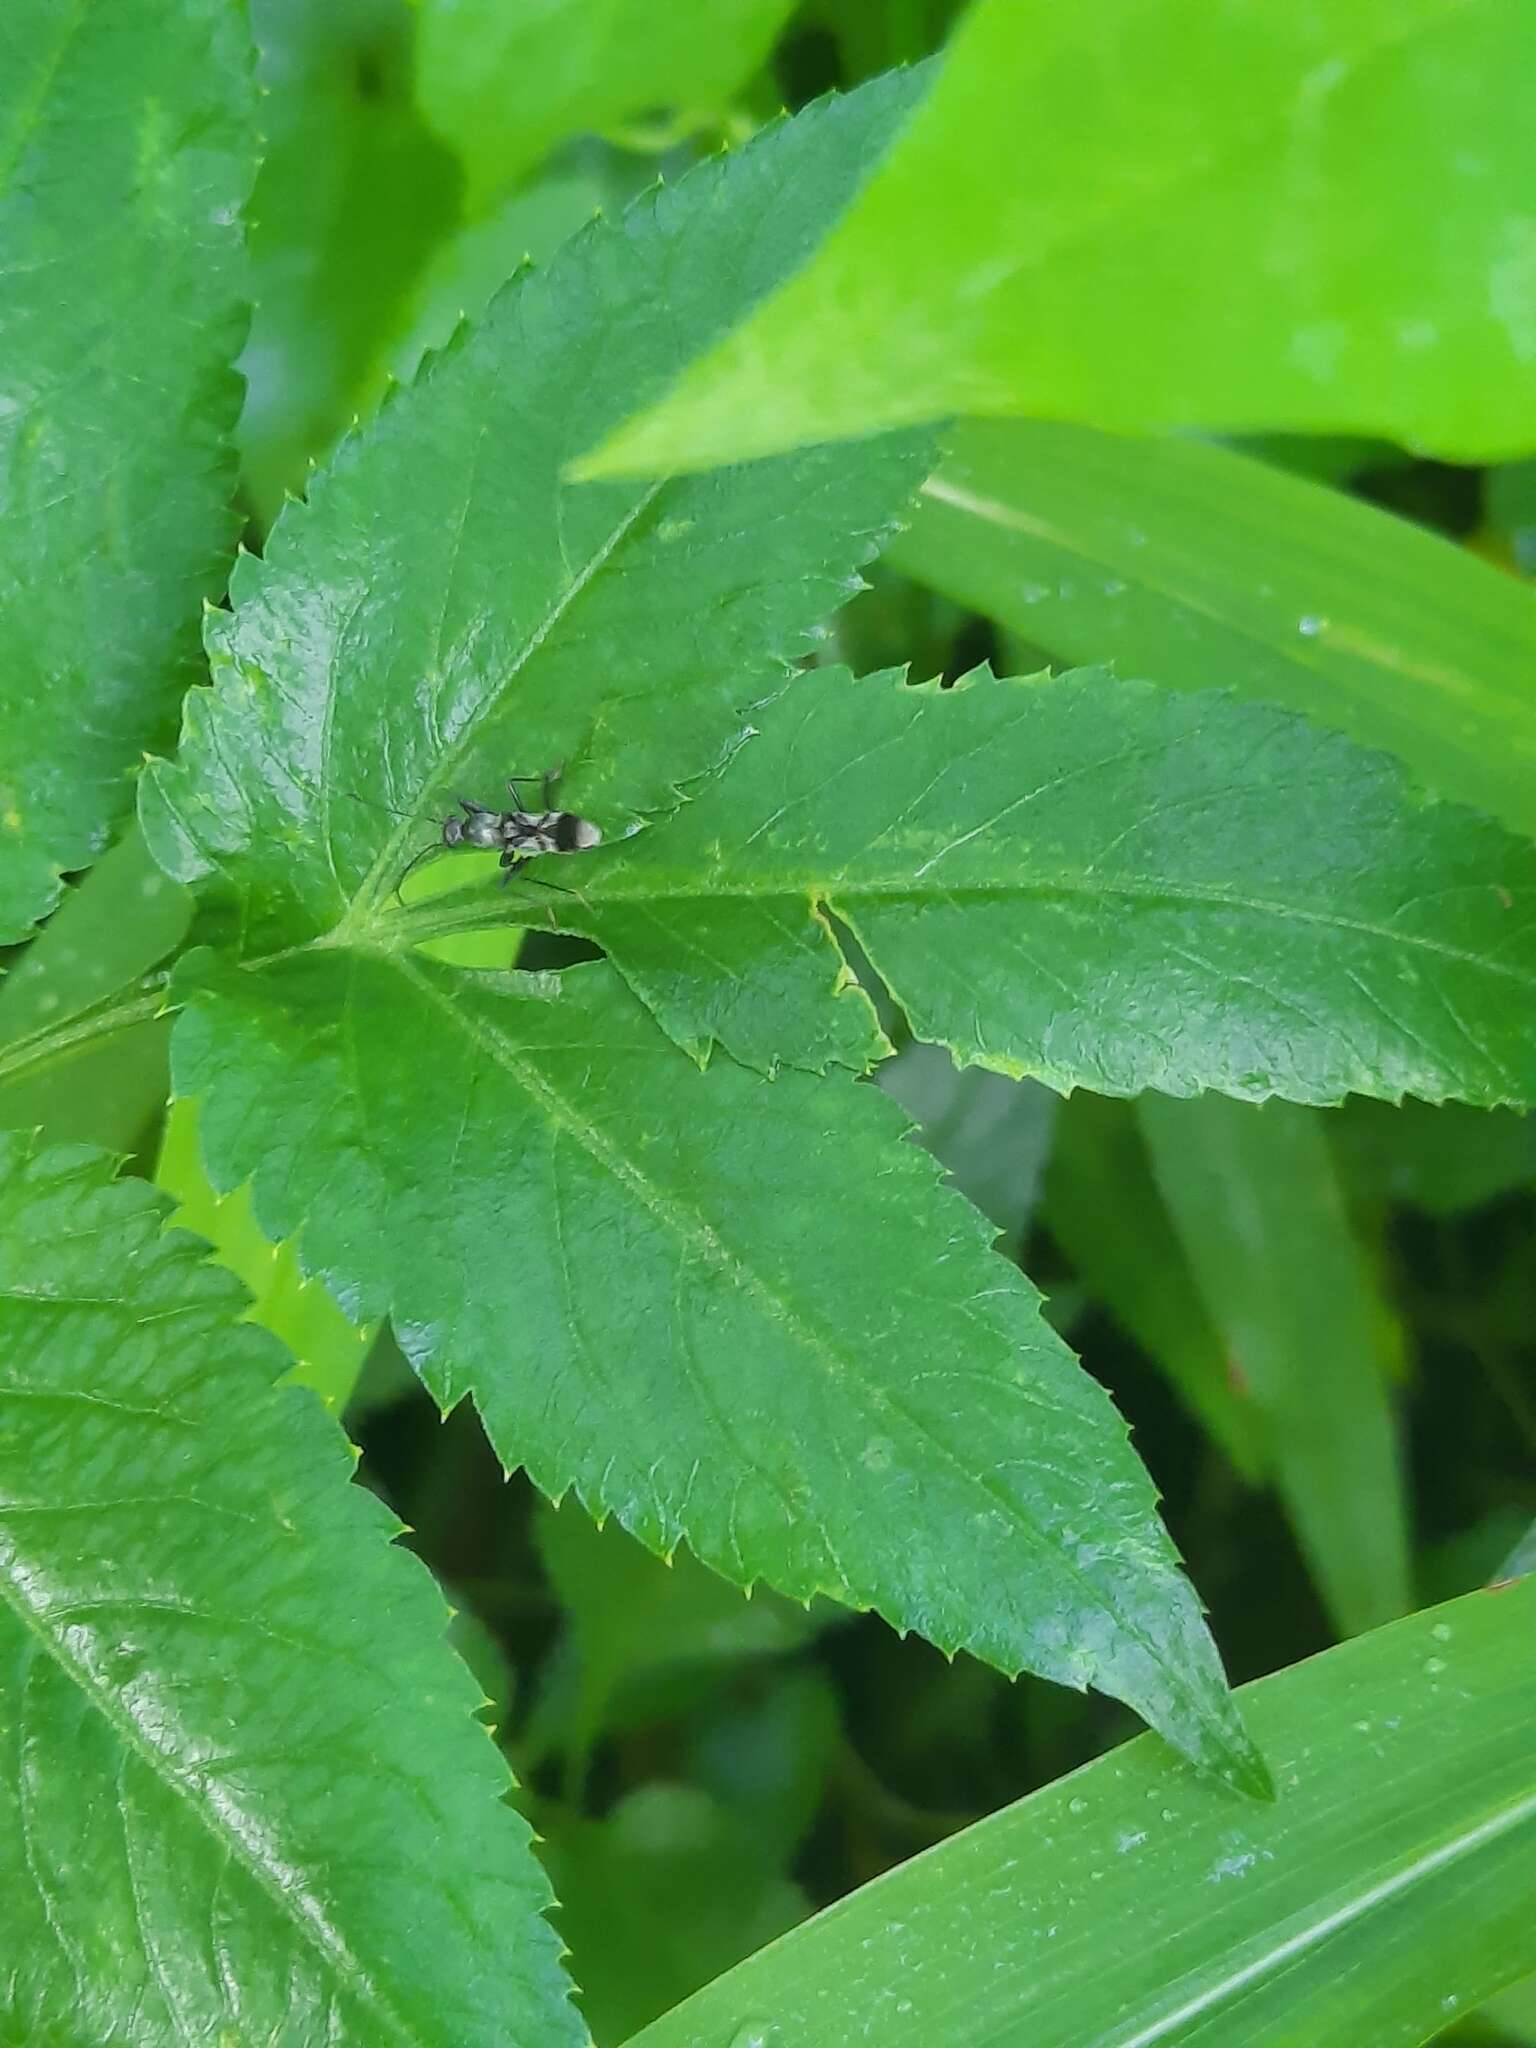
{"x": 1321, "y": 1325}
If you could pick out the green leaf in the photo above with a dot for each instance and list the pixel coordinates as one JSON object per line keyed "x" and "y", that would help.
{"x": 1442, "y": 1159}
{"x": 991, "y": 1135}
{"x": 661, "y": 1895}
{"x": 1205, "y": 569}
{"x": 504, "y": 84}
{"x": 445, "y": 611}
{"x": 125, "y": 151}
{"x": 328, "y": 1351}
{"x": 1104, "y": 1209}
{"x": 878, "y": 33}
{"x": 1388, "y": 1888}
{"x": 1513, "y": 2013}
{"x": 767, "y": 1753}
{"x": 468, "y": 269}
{"x": 240, "y": 1765}
{"x": 732, "y": 1312}
{"x": 1512, "y": 510}
{"x": 1099, "y": 883}
{"x": 1522, "y": 1559}
{"x": 631, "y": 1617}
{"x": 1256, "y": 1201}
{"x": 1312, "y": 218}
{"x": 122, "y": 919}
{"x": 353, "y": 195}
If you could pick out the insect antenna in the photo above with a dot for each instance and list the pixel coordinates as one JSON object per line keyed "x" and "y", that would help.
{"x": 420, "y": 817}
{"x": 377, "y": 804}
{"x": 411, "y": 865}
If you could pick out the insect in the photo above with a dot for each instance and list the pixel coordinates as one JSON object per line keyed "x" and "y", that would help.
{"x": 518, "y": 835}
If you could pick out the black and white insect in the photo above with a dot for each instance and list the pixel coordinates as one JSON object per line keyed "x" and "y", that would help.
{"x": 519, "y": 835}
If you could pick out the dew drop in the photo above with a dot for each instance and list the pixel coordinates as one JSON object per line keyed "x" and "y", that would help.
{"x": 1310, "y": 624}
{"x": 1076, "y": 1805}
{"x": 1433, "y": 1666}
{"x": 1033, "y": 593}
{"x": 755, "y": 2034}
{"x": 1442, "y": 1631}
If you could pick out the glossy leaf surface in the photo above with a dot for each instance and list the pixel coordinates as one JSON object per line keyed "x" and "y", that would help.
{"x": 445, "y": 611}
{"x": 504, "y": 84}
{"x": 1298, "y": 218}
{"x": 1099, "y": 883}
{"x": 607, "y": 1249}
{"x": 1387, "y": 1889}
{"x": 126, "y": 149}
{"x": 239, "y": 1762}
{"x": 1310, "y": 1340}
{"x": 1205, "y": 569}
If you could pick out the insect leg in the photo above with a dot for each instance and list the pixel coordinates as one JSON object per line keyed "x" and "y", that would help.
{"x": 513, "y": 863}
{"x": 548, "y": 783}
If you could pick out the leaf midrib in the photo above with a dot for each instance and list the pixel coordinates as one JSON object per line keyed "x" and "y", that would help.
{"x": 388, "y": 859}
{"x": 819, "y": 890}
{"x": 696, "y": 1230}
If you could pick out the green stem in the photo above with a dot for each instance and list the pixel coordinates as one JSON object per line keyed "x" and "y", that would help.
{"x": 438, "y": 917}
{"x": 43, "y": 1047}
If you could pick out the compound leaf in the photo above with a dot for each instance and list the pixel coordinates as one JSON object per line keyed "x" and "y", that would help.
{"x": 245, "y": 1797}
{"x": 126, "y": 148}
{"x": 1206, "y": 569}
{"x": 1097, "y": 882}
{"x": 1298, "y": 218}
{"x": 732, "y": 1311}
{"x": 559, "y": 1215}
{"x": 446, "y": 611}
